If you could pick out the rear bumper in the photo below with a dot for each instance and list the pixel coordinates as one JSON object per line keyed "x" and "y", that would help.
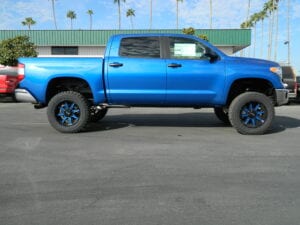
{"x": 23, "y": 95}
{"x": 282, "y": 96}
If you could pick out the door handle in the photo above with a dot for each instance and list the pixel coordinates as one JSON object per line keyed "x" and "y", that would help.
{"x": 116, "y": 64}
{"x": 174, "y": 65}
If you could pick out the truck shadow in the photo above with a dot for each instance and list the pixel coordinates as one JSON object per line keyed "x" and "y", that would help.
{"x": 201, "y": 120}
{"x": 282, "y": 123}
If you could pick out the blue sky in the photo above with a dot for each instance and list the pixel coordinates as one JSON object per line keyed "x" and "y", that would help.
{"x": 195, "y": 13}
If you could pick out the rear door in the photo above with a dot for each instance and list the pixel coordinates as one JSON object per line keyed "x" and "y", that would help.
{"x": 137, "y": 76}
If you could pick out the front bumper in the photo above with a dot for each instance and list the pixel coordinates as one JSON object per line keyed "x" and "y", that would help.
{"x": 23, "y": 95}
{"x": 282, "y": 96}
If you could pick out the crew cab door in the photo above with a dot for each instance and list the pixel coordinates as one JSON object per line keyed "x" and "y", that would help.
{"x": 193, "y": 78}
{"x": 137, "y": 74}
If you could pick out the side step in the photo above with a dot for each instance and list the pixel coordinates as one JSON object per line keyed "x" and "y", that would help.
{"x": 105, "y": 106}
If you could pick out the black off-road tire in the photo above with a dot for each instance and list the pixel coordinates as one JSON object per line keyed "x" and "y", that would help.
{"x": 68, "y": 112}
{"x": 222, "y": 114}
{"x": 251, "y": 113}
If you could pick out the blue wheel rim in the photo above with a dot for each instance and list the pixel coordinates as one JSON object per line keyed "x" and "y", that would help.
{"x": 67, "y": 113}
{"x": 253, "y": 114}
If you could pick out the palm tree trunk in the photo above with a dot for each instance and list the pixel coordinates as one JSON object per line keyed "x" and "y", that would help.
{"x": 91, "y": 22}
{"x": 243, "y": 52}
{"x": 119, "y": 8}
{"x": 262, "y": 39}
{"x": 288, "y": 32}
{"x": 150, "y": 14}
{"x": 276, "y": 36}
{"x": 176, "y": 14}
{"x": 248, "y": 10}
{"x": 254, "y": 44}
{"x": 271, "y": 27}
{"x": 210, "y": 23}
{"x": 54, "y": 17}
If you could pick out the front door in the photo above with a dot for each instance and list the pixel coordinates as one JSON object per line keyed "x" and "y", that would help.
{"x": 192, "y": 78}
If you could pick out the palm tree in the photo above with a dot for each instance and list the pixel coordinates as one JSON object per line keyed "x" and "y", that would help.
{"x": 28, "y": 22}
{"x": 119, "y": 10}
{"x": 72, "y": 16}
{"x": 177, "y": 9}
{"x": 53, "y": 12}
{"x": 90, "y": 12}
{"x": 130, "y": 13}
{"x": 150, "y": 14}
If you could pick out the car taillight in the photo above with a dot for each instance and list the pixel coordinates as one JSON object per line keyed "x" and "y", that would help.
{"x": 21, "y": 71}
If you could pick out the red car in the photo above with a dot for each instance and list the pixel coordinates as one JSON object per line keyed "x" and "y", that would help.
{"x": 8, "y": 80}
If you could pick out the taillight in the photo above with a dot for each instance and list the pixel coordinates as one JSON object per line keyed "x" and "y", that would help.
{"x": 21, "y": 71}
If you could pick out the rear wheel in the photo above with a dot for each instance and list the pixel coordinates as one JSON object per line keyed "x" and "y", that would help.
{"x": 251, "y": 113}
{"x": 68, "y": 112}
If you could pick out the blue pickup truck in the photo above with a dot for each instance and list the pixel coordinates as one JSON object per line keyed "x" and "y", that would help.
{"x": 154, "y": 70}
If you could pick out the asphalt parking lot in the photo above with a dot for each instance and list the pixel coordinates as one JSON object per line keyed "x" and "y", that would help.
{"x": 148, "y": 166}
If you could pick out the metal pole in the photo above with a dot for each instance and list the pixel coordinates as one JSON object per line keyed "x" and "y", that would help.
{"x": 288, "y": 32}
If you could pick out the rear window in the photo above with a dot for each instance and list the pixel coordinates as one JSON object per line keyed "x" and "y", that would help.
{"x": 140, "y": 47}
{"x": 287, "y": 72}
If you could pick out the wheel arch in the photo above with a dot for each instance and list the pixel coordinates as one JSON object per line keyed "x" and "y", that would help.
{"x": 60, "y": 84}
{"x": 243, "y": 85}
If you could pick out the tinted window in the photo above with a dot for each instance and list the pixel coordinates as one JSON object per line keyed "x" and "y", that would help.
{"x": 64, "y": 50}
{"x": 184, "y": 48}
{"x": 140, "y": 47}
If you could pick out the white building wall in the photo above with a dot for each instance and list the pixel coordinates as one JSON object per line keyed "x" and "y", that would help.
{"x": 226, "y": 49}
{"x": 91, "y": 50}
{"x": 43, "y": 50}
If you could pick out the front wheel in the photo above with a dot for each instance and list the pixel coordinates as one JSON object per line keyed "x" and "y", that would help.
{"x": 251, "y": 113}
{"x": 68, "y": 112}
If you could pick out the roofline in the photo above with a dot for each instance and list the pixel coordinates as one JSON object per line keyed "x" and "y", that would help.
{"x": 85, "y": 37}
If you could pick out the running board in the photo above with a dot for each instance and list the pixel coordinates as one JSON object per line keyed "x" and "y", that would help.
{"x": 105, "y": 106}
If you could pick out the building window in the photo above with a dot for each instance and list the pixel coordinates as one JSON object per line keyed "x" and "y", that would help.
{"x": 140, "y": 47}
{"x": 58, "y": 50}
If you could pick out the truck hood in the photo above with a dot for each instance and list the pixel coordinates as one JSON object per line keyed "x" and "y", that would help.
{"x": 255, "y": 61}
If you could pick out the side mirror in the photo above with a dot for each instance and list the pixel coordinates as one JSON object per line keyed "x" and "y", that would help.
{"x": 211, "y": 54}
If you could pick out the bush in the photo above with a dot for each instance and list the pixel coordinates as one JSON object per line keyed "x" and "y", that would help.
{"x": 192, "y": 31}
{"x": 13, "y": 48}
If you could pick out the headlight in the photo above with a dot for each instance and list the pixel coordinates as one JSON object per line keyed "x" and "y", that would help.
{"x": 276, "y": 70}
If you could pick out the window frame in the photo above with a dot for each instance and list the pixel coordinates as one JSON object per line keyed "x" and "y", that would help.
{"x": 168, "y": 49}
